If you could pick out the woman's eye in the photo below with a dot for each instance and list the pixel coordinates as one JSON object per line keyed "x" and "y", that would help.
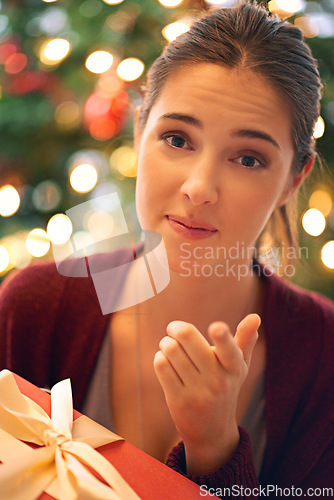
{"x": 176, "y": 141}
{"x": 248, "y": 161}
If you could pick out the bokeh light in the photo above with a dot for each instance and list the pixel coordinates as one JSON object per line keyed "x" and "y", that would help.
{"x": 38, "y": 243}
{"x": 59, "y": 229}
{"x": 102, "y": 197}
{"x": 219, "y": 3}
{"x": 113, "y": 2}
{"x": 83, "y": 178}
{"x": 173, "y": 30}
{"x": 46, "y": 196}
{"x": 170, "y": 3}
{"x": 9, "y": 200}
{"x": 54, "y": 21}
{"x": 285, "y": 6}
{"x": 130, "y": 69}
{"x": 321, "y": 200}
{"x": 319, "y": 128}
{"x": 15, "y": 63}
{"x": 84, "y": 240}
{"x": 103, "y": 114}
{"x": 290, "y": 6}
{"x": 327, "y": 254}
{"x": 54, "y": 51}
{"x": 307, "y": 25}
{"x": 68, "y": 115}
{"x": 4, "y": 258}
{"x": 99, "y": 61}
{"x": 313, "y": 222}
{"x": 102, "y": 128}
{"x": 124, "y": 159}
{"x": 100, "y": 225}
{"x": 109, "y": 85}
{"x": 18, "y": 254}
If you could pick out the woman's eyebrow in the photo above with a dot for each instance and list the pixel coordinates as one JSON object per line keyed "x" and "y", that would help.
{"x": 255, "y": 134}
{"x": 250, "y": 133}
{"x": 191, "y": 120}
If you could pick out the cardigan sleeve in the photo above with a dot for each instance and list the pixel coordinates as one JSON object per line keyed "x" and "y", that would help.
{"x": 51, "y": 327}
{"x": 29, "y": 302}
{"x": 238, "y": 471}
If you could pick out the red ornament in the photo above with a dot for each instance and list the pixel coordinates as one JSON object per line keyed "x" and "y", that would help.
{"x": 104, "y": 116}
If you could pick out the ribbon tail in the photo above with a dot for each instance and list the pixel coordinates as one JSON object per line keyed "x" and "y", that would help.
{"x": 88, "y": 456}
{"x": 28, "y": 475}
{"x": 67, "y": 487}
{"x": 89, "y": 486}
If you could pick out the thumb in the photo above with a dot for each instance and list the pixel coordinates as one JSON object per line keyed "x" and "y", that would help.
{"x": 247, "y": 335}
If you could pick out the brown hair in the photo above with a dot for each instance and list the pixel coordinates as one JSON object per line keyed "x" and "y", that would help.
{"x": 247, "y": 36}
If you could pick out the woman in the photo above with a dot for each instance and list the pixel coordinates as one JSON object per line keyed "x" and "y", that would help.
{"x": 224, "y": 139}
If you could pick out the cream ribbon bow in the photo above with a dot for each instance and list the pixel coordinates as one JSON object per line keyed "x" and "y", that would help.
{"x": 59, "y": 466}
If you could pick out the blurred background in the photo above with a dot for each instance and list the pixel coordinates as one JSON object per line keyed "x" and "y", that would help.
{"x": 71, "y": 73}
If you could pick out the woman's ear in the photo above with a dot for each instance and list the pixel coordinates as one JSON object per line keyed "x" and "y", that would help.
{"x": 296, "y": 181}
{"x": 136, "y": 129}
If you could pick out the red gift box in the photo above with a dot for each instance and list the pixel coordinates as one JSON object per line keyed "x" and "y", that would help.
{"x": 148, "y": 477}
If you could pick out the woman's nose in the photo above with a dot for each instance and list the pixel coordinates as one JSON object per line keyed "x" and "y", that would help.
{"x": 200, "y": 185}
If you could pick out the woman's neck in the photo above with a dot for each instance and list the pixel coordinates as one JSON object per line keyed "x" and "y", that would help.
{"x": 201, "y": 301}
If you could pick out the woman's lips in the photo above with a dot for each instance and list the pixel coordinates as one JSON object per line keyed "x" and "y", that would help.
{"x": 191, "y": 228}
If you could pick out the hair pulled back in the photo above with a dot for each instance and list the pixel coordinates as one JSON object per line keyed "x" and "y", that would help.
{"x": 248, "y": 36}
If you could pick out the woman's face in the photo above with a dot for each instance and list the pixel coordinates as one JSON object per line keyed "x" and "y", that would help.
{"x": 214, "y": 160}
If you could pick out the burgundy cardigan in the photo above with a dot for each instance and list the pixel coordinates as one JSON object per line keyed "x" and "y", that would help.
{"x": 51, "y": 328}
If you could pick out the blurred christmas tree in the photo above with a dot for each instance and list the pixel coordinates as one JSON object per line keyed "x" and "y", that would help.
{"x": 71, "y": 76}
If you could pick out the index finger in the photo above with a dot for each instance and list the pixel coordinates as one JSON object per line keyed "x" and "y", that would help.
{"x": 192, "y": 342}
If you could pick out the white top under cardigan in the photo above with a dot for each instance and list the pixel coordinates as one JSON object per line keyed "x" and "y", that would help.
{"x": 97, "y": 405}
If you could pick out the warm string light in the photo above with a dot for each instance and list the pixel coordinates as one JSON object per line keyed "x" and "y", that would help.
{"x": 322, "y": 201}
{"x": 100, "y": 225}
{"x": 130, "y": 69}
{"x": 9, "y": 201}
{"x": 173, "y": 30}
{"x": 319, "y": 128}
{"x": 327, "y": 254}
{"x": 38, "y": 242}
{"x": 99, "y": 61}
{"x": 113, "y": 2}
{"x": 290, "y": 6}
{"x": 59, "y": 229}
{"x": 83, "y": 178}
{"x": 170, "y": 3}
{"x": 307, "y": 25}
{"x": 4, "y": 258}
{"x": 313, "y": 222}
{"x": 219, "y": 3}
{"x": 124, "y": 160}
{"x": 285, "y": 7}
{"x": 54, "y": 51}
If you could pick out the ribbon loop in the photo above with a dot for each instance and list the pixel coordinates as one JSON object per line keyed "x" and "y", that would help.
{"x": 57, "y": 468}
